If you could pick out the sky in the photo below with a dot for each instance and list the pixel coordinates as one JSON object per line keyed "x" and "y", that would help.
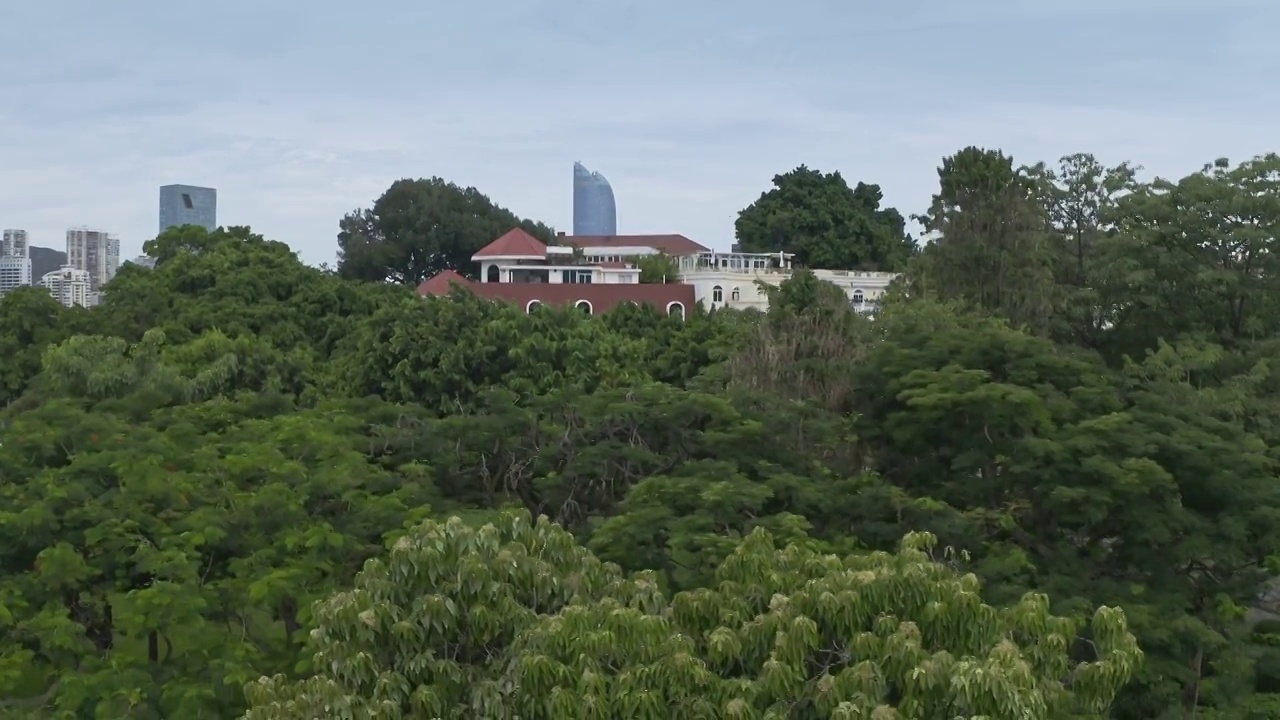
{"x": 300, "y": 112}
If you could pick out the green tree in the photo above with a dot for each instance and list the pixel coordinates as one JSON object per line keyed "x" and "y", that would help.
{"x": 825, "y": 223}
{"x": 657, "y": 269}
{"x": 988, "y": 241}
{"x": 1095, "y": 487}
{"x": 1194, "y": 259}
{"x": 418, "y": 228}
{"x": 514, "y": 619}
{"x": 29, "y": 321}
{"x": 1081, "y": 197}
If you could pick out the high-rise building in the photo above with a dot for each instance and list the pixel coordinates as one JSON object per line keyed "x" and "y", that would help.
{"x": 594, "y": 211}
{"x": 188, "y": 205}
{"x": 95, "y": 252}
{"x": 69, "y": 286}
{"x": 15, "y": 261}
{"x": 15, "y": 272}
{"x": 13, "y": 243}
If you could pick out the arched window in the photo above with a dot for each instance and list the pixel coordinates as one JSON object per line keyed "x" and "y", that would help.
{"x": 735, "y": 295}
{"x": 857, "y": 297}
{"x": 676, "y": 309}
{"x": 492, "y": 273}
{"x": 533, "y": 305}
{"x": 717, "y": 294}
{"x": 584, "y": 306}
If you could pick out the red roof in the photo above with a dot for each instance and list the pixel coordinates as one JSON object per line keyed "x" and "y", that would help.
{"x": 602, "y": 297}
{"x": 674, "y": 245}
{"x": 514, "y": 242}
{"x": 442, "y": 283}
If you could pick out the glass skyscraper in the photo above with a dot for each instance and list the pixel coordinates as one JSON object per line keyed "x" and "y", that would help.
{"x": 594, "y": 212}
{"x": 188, "y": 205}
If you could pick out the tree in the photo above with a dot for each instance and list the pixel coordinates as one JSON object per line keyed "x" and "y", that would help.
{"x": 515, "y": 619}
{"x": 29, "y": 322}
{"x": 418, "y": 228}
{"x": 1195, "y": 258}
{"x": 806, "y": 345}
{"x": 825, "y": 223}
{"x": 1091, "y": 486}
{"x": 1081, "y": 198}
{"x": 657, "y": 269}
{"x": 988, "y": 242}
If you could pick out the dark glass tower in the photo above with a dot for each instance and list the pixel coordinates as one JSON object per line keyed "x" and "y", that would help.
{"x": 188, "y": 205}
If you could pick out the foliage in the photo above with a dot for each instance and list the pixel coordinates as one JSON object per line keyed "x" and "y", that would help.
{"x": 1073, "y": 387}
{"x": 515, "y": 619}
{"x": 419, "y": 228}
{"x": 657, "y": 269}
{"x": 825, "y": 223}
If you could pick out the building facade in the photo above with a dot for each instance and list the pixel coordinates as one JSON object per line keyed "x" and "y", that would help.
{"x": 519, "y": 269}
{"x": 96, "y": 253}
{"x": 69, "y": 286}
{"x": 15, "y": 272}
{"x": 188, "y": 205}
{"x": 596, "y": 273}
{"x": 739, "y": 280}
{"x": 594, "y": 209}
{"x": 13, "y": 243}
{"x": 15, "y": 261}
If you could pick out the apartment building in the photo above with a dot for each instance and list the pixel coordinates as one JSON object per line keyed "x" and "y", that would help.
{"x": 95, "y": 252}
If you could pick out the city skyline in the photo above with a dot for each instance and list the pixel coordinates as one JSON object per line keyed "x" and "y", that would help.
{"x": 715, "y": 105}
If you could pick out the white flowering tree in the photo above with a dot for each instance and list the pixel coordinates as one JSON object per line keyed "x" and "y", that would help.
{"x": 516, "y": 620}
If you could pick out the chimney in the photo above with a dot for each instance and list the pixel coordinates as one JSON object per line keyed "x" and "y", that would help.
{"x": 559, "y": 233}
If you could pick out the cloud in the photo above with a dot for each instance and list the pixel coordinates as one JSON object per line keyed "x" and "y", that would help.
{"x": 298, "y": 114}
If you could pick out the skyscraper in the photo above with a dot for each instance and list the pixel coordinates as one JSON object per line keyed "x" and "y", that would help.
{"x": 13, "y": 243}
{"x": 15, "y": 261}
{"x": 594, "y": 211}
{"x": 188, "y": 205}
{"x": 95, "y": 252}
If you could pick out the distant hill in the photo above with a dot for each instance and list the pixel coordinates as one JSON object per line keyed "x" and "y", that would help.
{"x": 45, "y": 260}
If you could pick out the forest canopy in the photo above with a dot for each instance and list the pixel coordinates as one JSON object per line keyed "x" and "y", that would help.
{"x": 1040, "y": 481}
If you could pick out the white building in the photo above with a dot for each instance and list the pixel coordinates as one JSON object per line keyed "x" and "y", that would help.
{"x": 15, "y": 261}
{"x": 95, "y": 252}
{"x": 15, "y": 272}
{"x": 69, "y": 286}
{"x": 730, "y": 279}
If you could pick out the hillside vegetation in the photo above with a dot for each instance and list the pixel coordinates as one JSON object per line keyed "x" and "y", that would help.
{"x": 1039, "y": 483}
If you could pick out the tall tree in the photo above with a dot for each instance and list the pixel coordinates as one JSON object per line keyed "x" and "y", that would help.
{"x": 825, "y": 223}
{"x": 419, "y": 228}
{"x": 988, "y": 244}
{"x": 1080, "y": 198}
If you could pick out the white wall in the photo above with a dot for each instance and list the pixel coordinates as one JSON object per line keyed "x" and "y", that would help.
{"x": 751, "y": 296}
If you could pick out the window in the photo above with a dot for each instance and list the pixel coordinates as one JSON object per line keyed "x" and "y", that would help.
{"x": 584, "y": 306}
{"x": 533, "y": 305}
{"x": 492, "y": 273}
{"x": 857, "y": 297}
{"x": 186, "y": 201}
{"x": 735, "y": 295}
{"x": 717, "y": 294}
{"x": 575, "y": 277}
{"x": 676, "y": 309}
